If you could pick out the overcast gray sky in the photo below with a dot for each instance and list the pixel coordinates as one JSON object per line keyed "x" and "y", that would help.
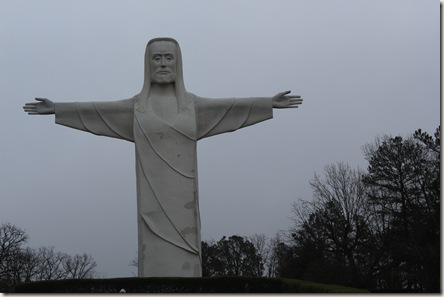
{"x": 363, "y": 68}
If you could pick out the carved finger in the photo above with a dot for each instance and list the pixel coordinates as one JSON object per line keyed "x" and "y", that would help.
{"x": 282, "y": 94}
{"x": 28, "y": 109}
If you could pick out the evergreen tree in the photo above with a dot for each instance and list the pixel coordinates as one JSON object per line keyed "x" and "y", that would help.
{"x": 403, "y": 182}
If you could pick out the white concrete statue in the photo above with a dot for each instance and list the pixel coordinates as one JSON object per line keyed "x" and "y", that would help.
{"x": 165, "y": 122}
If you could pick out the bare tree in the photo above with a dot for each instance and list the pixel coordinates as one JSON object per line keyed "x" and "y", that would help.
{"x": 337, "y": 220}
{"x": 267, "y": 248}
{"x": 23, "y": 264}
{"x": 51, "y": 264}
{"x": 80, "y": 266}
{"x": 12, "y": 239}
{"x": 134, "y": 263}
{"x": 273, "y": 259}
{"x": 261, "y": 243}
{"x": 28, "y": 267}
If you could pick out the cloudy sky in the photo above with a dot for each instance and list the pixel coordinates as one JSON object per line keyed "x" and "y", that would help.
{"x": 364, "y": 68}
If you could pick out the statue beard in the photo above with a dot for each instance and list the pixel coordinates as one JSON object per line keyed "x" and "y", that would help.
{"x": 164, "y": 79}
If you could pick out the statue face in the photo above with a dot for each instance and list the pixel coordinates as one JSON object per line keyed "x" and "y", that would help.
{"x": 163, "y": 62}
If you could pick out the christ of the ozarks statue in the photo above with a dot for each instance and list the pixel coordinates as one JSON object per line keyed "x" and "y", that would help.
{"x": 165, "y": 122}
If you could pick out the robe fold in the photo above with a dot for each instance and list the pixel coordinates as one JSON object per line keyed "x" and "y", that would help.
{"x": 166, "y": 169}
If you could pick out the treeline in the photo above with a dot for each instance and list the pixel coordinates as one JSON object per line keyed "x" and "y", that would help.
{"x": 19, "y": 263}
{"x": 377, "y": 229}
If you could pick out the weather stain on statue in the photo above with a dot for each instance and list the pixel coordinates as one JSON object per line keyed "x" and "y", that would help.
{"x": 190, "y": 205}
{"x": 189, "y": 230}
{"x": 197, "y": 270}
{"x": 186, "y": 266}
{"x": 143, "y": 252}
{"x": 178, "y": 155}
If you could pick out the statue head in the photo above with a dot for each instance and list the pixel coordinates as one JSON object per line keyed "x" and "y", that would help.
{"x": 162, "y": 61}
{"x": 163, "y": 64}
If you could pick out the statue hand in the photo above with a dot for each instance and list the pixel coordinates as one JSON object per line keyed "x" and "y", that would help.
{"x": 45, "y": 106}
{"x": 282, "y": 100}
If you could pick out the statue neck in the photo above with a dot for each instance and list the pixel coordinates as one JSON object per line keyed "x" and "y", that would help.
{"x": 162, "y": 90}
{"x": 164, "y": 101}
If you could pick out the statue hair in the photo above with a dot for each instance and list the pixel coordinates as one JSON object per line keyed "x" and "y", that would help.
{"x": 163, "y": 39}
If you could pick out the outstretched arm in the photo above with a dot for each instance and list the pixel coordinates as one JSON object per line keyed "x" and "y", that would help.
{"x": 44, "y": 106}
{"x": 215, "y": 116}
{"x": 282, "y": 100}
{"x": 112, "y": 118}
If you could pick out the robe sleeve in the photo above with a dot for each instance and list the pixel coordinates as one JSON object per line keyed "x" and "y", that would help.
{"x": 216, "y": 116}
{"x": 112, "y": 118}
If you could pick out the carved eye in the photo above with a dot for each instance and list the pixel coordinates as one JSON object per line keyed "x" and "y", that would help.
{"x": 169, "y": 58}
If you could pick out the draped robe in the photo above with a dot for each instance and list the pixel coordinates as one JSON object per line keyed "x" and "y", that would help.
{"x": 166, "y": 169}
